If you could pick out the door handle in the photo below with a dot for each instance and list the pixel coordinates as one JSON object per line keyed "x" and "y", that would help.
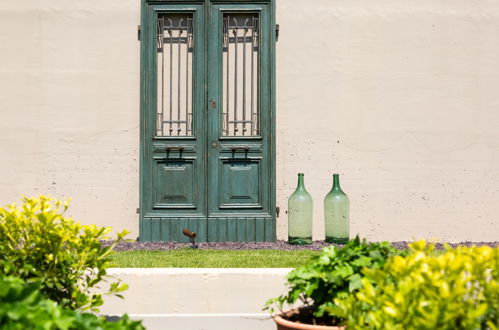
{"x": 243, "y": 148}
{"x": 170, "y": 148}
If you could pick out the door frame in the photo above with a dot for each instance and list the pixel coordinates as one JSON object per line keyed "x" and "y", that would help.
{"x": 152, "y": 227}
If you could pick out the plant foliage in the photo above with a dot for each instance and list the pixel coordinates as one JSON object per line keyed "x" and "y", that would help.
{"x": 335, "y": 273}
{"x": 455, "y": 290}
{"x": 22, "y": 306}
{"x": 37, "y": 242}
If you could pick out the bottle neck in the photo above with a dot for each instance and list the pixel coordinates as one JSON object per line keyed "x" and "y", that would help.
{"x": 336, "y": 182}
{"x": 301, "y": 182}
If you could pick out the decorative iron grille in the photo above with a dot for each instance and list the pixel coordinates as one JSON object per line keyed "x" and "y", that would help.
{"x": 240, "y": 82}
{"x": 175, "y": 42}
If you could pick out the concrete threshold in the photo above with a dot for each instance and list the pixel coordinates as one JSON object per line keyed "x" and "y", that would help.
{"x": 197, "y": 298}
{"x": 233, "y": 321}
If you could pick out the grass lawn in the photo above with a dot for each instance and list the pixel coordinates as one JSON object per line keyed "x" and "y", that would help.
{"x": 188, "y": 258}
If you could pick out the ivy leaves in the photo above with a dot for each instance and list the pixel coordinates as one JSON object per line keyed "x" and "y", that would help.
{"x": 334, "y": 274}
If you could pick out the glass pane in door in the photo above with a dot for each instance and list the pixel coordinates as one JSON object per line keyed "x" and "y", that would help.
{"x": 240, "y": 74}
{"x": 175, "y": 45}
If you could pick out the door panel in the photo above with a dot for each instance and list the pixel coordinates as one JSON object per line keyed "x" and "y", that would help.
{"x": 174, "y": 183}
{"x": 207, "y": 117}
{"x": 240, "y": 185}
{"x": 240, "y": 229}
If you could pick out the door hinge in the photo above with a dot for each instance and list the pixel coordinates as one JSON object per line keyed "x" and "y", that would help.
{"x": 137, "y": 210}
{"x": 138, "y": 32}
{"x": 277, "y": 211}
{"x": 276, "y": 32}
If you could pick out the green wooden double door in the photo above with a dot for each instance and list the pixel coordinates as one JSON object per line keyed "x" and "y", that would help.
{"x": 207, "y": 120}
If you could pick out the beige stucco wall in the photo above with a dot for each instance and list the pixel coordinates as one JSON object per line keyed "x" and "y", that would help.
{"x": 400, "y": 97}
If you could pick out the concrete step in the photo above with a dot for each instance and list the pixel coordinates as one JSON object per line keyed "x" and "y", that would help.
{"x": 197, "y": 298}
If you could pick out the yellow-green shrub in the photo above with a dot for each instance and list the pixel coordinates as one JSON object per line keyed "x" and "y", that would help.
{"x": 37, "y": 242}
{"x": 455, "y": 290}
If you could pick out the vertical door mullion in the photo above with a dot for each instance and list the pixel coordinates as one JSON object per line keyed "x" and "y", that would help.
{"x": 214, "y": 104}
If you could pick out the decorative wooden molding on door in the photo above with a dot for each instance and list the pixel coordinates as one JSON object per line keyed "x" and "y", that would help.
{"x": 207, "y": 159}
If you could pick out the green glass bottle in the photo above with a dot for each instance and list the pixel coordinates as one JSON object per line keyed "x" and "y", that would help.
{"x": 337, "y": 214}
{"x": 300, "y": 206}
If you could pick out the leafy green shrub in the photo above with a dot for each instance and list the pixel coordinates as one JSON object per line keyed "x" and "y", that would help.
{"x": 38, "y": 242}
{"x": 455, "y": 290}
{"x": 22, "y": 306}
{"x": 334, "y": 273}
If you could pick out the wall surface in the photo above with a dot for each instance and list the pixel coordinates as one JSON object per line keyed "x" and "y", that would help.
{"x": 69, "y": 76}
{"x": 399, "y": 97}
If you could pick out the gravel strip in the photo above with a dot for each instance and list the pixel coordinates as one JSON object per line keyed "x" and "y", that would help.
{"x": 278, "y": 245}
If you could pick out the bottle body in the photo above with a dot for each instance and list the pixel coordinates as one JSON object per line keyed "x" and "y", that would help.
{"x": 300, "y": 211}
{"x": 337, "y": 214}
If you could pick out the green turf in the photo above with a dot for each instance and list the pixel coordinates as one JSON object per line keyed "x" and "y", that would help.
{"x": 188, "y": 258}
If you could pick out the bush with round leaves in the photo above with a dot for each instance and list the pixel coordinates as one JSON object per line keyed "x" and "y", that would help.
{"x": 458, "y": 289}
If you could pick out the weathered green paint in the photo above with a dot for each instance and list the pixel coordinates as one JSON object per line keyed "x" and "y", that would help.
{"x": 220, "y": 194}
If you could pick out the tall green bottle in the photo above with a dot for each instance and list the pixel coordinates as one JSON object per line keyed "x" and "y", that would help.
{"x": 300, "y": 206}
{"x": 337, "y": 214}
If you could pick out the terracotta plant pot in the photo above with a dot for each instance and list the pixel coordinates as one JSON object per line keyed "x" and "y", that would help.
{"x": 283, "y": 324}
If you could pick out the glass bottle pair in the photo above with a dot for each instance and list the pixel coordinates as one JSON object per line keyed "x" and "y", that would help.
{"x": 336, "y": 214}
